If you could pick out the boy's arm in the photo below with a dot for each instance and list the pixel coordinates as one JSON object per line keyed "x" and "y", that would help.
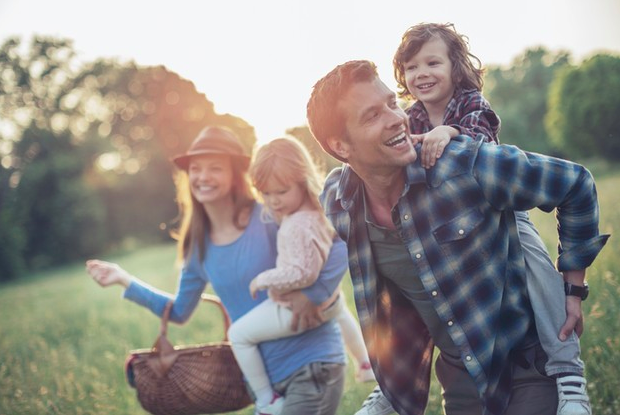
{"x": 476, "y": 119}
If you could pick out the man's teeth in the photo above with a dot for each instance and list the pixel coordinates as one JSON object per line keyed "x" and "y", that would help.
{"x": 396, "y": 140}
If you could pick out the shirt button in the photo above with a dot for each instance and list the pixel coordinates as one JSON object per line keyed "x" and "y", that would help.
{"x": 450, "y": 323}
{"x": 434, "y": 293}
{"x": 418, "y": 256}
{"x": 468, "y": 358}
{"x": 406, "y": 217}
{"x": 461, "y": 231}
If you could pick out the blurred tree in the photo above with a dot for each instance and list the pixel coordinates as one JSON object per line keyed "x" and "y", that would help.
{"x": 518, "y": 94}
{"x": 323, "y": 160}
{"x": 82, "y": 145}
{"x": 584, "y": 115}
{"x": 60, "y": 218}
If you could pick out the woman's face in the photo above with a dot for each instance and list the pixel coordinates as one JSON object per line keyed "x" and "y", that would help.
{"x": 211, "y": 178}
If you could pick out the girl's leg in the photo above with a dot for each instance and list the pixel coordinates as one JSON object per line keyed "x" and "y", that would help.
{"x": 353, "y": 339}
{"x": 545, "y": 287}
{"x": 266, "y": 321}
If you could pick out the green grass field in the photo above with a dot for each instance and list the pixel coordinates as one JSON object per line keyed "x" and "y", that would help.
{"x": 63, "y": 339}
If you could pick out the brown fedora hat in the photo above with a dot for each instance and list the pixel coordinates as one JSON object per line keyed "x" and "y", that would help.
{"x": 214, "y": 140}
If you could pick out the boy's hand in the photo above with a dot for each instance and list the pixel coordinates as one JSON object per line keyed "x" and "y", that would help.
{"x": 434, "y": 142}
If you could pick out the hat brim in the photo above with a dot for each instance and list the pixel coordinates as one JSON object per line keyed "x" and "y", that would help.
{"x": 182, "y": 161}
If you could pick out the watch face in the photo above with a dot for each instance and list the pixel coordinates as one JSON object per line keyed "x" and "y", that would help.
{"x": 576, "y": 290}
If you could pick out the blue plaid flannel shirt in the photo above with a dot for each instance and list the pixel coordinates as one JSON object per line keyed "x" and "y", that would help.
{"x": 468, "y": 111}
{"x": 458, "y": 224}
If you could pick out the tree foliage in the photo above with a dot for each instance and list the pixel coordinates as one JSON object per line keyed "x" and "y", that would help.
{"x": 85, "y": 149}
{"x": 584, "y": 110}
{"x": 518, "y": 94}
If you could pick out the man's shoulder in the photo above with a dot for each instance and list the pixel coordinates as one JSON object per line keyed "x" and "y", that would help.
{"x": 458, "y": 158}
{"x": 330, "y": 188}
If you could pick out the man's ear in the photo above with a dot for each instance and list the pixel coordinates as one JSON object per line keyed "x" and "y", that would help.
{"x": 339, "y": 146}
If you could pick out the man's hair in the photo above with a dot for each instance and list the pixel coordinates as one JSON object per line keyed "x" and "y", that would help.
{"x": 467, "y": 72}
{"x": 324, "y": 117}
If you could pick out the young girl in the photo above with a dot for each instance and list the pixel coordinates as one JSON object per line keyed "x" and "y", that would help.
{"x": 285, "y": 175}
{"x": 223, "y": 242}
{"x": 433, "y": 66}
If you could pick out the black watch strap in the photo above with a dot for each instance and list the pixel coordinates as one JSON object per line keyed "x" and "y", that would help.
{"x": 576, "y": 290}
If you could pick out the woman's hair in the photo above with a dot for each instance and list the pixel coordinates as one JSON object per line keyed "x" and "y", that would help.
{"x": 287, "y": 161}
{"x": 194, "y": 222}
{"x": 467, "y": 72}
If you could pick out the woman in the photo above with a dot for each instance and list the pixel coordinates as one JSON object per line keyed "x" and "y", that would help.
{"x": 222, "y": 241}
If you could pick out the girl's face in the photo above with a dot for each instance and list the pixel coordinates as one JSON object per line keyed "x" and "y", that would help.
{"x": 283, "y": 199}
{"x": 211, "y": 178}
{"x": 428, "y": 74}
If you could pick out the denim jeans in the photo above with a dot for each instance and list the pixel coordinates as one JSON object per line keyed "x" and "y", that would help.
{"x": 545, "y": 288}
{"x": 315, "y": 389}
{"x": 532, "y": 393}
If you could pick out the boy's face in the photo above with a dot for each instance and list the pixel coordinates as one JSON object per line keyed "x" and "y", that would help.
{"x": 377, "y": 129}
{"x": 428, "y": 74}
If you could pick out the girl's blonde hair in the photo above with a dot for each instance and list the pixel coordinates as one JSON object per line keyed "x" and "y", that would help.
{"x": 194, "y": 222}
{"x": 287, "y": 160}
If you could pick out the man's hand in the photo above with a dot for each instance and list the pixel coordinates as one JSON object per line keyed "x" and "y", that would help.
{"x": 306, "y": 314}
{"x": 574, "y": 315}
{"x": 574, "y": 318}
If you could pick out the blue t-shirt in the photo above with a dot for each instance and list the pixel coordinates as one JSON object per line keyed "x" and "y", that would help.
{"x": 230, "y": 268}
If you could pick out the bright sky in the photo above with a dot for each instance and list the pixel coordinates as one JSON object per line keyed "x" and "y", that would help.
{"x": 258, "y": 59}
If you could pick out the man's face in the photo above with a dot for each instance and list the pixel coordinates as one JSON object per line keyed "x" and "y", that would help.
{"x": 377, "y": 129}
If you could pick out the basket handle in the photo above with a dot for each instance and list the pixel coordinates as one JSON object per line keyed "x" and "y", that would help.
{"x": 208, "y": 298}
{"x": 162, "y": 345}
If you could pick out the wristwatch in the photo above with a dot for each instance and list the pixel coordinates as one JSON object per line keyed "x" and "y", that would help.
{"x": 576, "y": 290}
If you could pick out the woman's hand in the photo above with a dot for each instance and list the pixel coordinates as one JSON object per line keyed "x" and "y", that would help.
{"x": 107, "y": 273}
{"x": 306, "y": 314}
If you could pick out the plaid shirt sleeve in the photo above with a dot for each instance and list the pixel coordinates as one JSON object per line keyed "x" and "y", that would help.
{"x": 512, "y": 179}
{"x": 472, "y": 116}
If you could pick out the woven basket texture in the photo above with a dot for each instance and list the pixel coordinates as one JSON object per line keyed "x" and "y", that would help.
{"x": 204, "y": 379}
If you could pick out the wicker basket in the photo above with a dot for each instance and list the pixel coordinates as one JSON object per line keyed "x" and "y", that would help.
{"x": 187, "y": 380}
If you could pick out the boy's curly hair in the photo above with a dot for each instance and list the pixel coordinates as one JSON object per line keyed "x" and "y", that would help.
{"x": 467, "y": 71}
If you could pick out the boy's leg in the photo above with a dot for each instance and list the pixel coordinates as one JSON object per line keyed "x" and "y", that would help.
{"x": 545, "y": 287}
{"x": 315, "y": 389}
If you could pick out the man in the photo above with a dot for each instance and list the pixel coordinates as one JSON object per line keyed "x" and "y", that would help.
{"x": 434, "y": 254}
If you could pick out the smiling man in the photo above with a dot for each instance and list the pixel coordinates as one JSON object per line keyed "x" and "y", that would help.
{"x": 434, "y": 254}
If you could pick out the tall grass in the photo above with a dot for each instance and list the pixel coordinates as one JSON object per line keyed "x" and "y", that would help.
{"x": 63, "y": 339}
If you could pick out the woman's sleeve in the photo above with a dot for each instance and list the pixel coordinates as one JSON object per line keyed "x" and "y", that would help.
{"x": 190, "y": 288}
{"x": 331, "y": 274}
